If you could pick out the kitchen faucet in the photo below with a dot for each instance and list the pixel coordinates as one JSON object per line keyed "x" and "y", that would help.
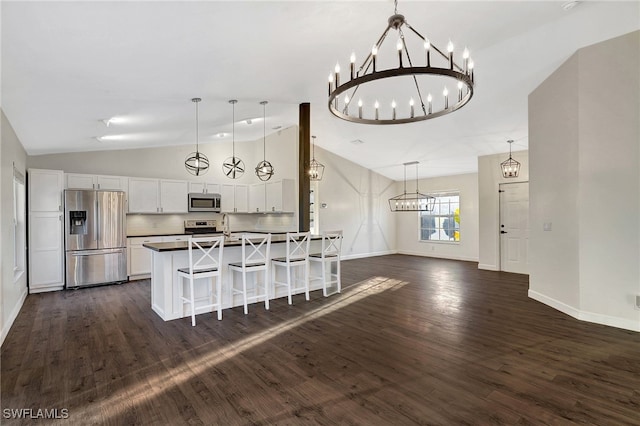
{"x": 225, "y": 225}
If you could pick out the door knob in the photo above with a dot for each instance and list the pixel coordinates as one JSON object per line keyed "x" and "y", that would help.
{"x": 503, "y": 232}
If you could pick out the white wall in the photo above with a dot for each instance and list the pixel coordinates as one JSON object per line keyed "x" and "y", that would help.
{"x": 168, "y": 163}
{"x": 588, "y": 116}
{"x": 13, "y": 289}
{"x": 489, "y": 180}
{"x": 408, "y": 224}
{"x": 356, "y": 200}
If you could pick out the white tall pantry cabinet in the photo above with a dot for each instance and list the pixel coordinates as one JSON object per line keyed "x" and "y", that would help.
{"x": 46, "y": 213}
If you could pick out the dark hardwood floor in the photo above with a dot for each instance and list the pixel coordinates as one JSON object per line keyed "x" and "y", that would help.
{"x": 410, "y": 340}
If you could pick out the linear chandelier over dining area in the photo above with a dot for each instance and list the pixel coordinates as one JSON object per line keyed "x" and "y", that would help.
{"x": 411, "y": 201}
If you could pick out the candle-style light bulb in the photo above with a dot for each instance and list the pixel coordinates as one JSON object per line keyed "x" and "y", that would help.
{"x": 429, "y": 99}
{"x": 450, "y": 50}
{"x": 374, "y": 53}
{"x": 346, "y": 99}
{"x": 465, "y": 59}
{"x": 470, "y": 67}
{"x": 411, "y": 103}
{"x": 330, "y": 83}
{"x": 376, "y": 106}
{"x": 427, "y": 48}
{"x": 353, "y": 64}
{"x": 460, "y": 86}
{"x": 360, "y": 108}
{"x": 445, "y": 93}
{"x": 393, "y": 107}
{"x": 337, "y": 70}
{"x": 399, "y": 47}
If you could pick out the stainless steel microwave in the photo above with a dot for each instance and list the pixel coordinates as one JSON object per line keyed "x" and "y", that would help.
{"x": 200, "y": 202}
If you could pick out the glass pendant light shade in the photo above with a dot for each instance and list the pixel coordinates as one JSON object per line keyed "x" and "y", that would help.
{"x": 411, "y": 202}
{"x": 196, "y": 163}
{"x": 316, "y": 169}
{"x": 233, "y": 167}
{"x": 510, "y": 167}
{"x": 264, "y": 169}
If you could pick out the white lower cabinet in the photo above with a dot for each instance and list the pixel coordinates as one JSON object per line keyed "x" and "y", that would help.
{"x": 139, "y": 257}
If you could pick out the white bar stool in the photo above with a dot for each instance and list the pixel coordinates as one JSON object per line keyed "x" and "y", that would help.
{"x": 297, "y": 255}
{"x": 331, "y": 248}
{"x": 203, "y": 264}
{"x": 256, "y": 249}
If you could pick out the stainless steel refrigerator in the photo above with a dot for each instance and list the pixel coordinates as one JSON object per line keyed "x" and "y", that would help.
{"x": 95, "y": 237}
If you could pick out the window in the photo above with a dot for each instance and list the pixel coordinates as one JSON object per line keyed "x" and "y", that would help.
{"x": 19, "y": 225}
{"x": 443, "y": 223}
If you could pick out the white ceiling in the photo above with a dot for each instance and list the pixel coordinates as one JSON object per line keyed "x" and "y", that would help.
{"x": 66, "y": 66}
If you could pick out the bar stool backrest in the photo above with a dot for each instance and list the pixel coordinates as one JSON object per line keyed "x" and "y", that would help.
{"x": 256, "y": 248}
{"x": 298, "y": 245}
{"x": 201, "y": 253}
{"x": 331, "y": 243}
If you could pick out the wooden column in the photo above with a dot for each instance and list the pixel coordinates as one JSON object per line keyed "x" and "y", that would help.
{"x": 304, "y": 150}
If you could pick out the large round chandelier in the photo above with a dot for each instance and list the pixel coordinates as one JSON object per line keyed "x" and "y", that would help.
{"x": 438, "y": 84}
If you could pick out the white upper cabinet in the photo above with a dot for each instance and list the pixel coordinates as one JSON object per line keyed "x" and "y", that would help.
{"x": 173, "y": 196}
{"x": 242, "y": 198}
{"x": 84, "y": 181}
{"x": 257, "y": 198}
{"x": 144, "y": 196}
{"x": 281, "y": 196}
{"x": 78, "y": 181}
{"x": 45, "y": 190}
{"x": 157, "y": 196}
{"x": 204, "y": 187}
{"x": 234, "y": 198}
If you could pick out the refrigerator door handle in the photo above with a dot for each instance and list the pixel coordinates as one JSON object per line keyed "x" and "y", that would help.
{"x": 95, "y": 221}
{"x": 96, "y": 252}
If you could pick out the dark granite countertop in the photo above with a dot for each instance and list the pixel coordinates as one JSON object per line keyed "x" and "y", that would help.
{"x": 233, "y": 242}
{"x": 208, "y": 233}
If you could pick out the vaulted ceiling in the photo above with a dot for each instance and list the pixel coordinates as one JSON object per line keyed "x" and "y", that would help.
{"x": 67, "y": 66}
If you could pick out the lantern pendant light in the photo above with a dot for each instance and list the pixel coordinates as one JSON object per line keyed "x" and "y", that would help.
{"x": 196, "y": 163}
{"x": 264, "y": 169}
{"x": 510, "y": 167}
{"x": 316, "y": 169}
{"x": 233, "y": 167}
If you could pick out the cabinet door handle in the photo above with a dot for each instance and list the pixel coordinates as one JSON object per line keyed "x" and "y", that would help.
{"x": 503, "y": 232}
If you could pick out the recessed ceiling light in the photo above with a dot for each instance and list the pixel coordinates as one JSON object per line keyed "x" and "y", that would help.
{"x": 357, "y": 142}
{"x": 111, "y": 138}
{"x": 222, "y": 134}
{"x": 114, "y": 120}
{"x": 570, "y": 5}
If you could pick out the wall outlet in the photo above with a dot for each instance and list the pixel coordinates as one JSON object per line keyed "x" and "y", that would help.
{"x": 546, "y": 226}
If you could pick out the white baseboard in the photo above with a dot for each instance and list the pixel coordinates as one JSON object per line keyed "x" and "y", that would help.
{"x": 12, "y": 317}
{"x": 439, "y": 255}
{"x": 488, "y": 267}
{"x": 372, "y": 254}
{"x": 626, "y": 324}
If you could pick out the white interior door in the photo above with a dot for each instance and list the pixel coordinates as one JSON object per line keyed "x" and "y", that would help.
{"x": 514, "y": 227}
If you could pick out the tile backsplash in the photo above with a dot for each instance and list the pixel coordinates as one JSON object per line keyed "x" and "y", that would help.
{"x": 163, "y": 224}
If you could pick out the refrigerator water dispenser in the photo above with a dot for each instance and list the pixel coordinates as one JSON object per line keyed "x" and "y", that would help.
{"x": 78, "y": 222}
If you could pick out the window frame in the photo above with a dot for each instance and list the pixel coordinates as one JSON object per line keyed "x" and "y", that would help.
{"x": 438, "y": 195}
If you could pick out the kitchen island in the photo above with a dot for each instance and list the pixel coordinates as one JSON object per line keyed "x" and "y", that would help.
{"x": 165, "y": 282}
